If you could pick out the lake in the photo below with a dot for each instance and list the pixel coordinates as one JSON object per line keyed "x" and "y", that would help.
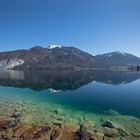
{"x": 72, "y": 96}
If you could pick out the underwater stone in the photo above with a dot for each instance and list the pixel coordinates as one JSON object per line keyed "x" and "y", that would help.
{"x": 56, "y": 134}
{"x": 110, "y": 132}
{"x": 5, "y": 124}
{"x": 16, "y": 115}
{"x": 108, "y": 138}
{"x": 111, "y": 124}
{"x": 88, "y": 126}
{"x": 20, "y": 130}
{"x": 111, "y": 112}
{"x": 58, "y": 122}
{"x": 71, "y": 127}
{"x": 59, "y": 111}
{"x": 38, "y": 133}
{"x": 84, "y": 134}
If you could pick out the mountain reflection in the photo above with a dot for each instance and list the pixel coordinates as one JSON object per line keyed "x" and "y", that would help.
{"x": 63, "y": 80}
{"x": 11, "y": 75}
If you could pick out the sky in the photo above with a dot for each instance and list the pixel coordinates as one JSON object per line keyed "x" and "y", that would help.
{"x": 94, "y": 26}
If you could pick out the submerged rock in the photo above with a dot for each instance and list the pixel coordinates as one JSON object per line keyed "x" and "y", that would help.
{"x": 84, "y": 134}
{"x": 110, "y": 132}
{"x": 55, "y": 135}
{"x": 5, "y": 124}
{"x": 38, "y": 133}
{"x": 26, "y": 119}
{"x": 16, "y": 115}
{"x": 63, "y": 126}
{"x": 89, "y": 126}
{"x": 110, "y": 124}
{"x": 59, "y": 111}
{"x": 111, "y": 112}
{"x": 112, "y": 129}
{"x": 58, "y": 122}
{"x": 108, "y": 138}
{"x": 71, "y": 127}
{"x": 68, "y": 131}
{"x": 20, "y": 130}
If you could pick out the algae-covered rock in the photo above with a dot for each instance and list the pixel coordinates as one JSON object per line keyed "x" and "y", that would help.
{"x": 58, "y": 122}
{"x": 111, "y": 112}
{"x": 84, "y": 133}
{"x": 110, "y": 124}
{"x": 110, "y": 132}
{"x": 59, "y": 111}
{"x": 27, "y": 119}
{"x": 114, "y": 129}
{"x": 71, "y": 127}
{"x": 107, "y": 138}
{"x": 88, "y": 126}
{"x": 16, "y": 115}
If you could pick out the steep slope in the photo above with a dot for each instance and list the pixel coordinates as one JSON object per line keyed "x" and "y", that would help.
{"x": 47, "y": 58}
{"x": 117, "y": 59}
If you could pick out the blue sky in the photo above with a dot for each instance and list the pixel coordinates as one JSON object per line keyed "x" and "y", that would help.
{"x": 95, "y": 26}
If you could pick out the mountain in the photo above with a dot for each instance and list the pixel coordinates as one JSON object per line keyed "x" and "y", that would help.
{"x": 53, "y": 57}
{"x": 117, "y": 59}
{"x": 56, "y": 57}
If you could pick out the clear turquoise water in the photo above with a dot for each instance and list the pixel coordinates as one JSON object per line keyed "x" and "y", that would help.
{"x": 95, "y": 95}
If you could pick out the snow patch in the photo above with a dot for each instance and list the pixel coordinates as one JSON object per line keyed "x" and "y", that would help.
{"x": 109, "y": 55}
{"x": 122, "y": 53}
{"x": 54, "y": 46}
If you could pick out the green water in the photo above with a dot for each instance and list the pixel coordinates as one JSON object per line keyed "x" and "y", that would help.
{"x": 72, "y": 96}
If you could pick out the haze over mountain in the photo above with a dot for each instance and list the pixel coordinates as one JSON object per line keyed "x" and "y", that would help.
{"x": 62, "y": 57}
{"x": 117, "y": 59}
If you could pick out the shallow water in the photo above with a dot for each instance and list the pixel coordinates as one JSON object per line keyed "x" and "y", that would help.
{"x": 80, "y": 95}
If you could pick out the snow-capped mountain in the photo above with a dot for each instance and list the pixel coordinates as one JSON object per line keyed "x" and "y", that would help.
{"x": 52, "y": 58}
{"x": 61, "y": 57}
{"x": 117, "y": 59}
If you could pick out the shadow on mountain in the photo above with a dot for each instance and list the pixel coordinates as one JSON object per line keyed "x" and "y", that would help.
{"x": 63, "y": 80}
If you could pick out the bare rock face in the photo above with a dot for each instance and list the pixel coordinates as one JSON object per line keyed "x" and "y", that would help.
{"x": 10, "y": 64}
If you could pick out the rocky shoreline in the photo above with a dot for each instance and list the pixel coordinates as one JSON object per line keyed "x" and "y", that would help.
{"x": 16, "y": 123}
{"x": 10, "y": 129}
